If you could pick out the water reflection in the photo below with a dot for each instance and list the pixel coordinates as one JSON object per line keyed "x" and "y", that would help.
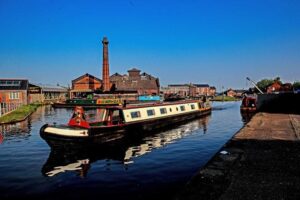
{"x": 17, "y": 130}
{"x": 21, "y": 130}
{"x": 246, "y": 116}
{"x": 125, "y": 151}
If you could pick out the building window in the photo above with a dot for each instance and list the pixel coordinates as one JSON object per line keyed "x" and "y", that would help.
{"x": 10, "y": 83}
{"x": 135, "y": 114}
{"x": 192, "y": 106}
{"x": 14, "y": 95}
{"x": 163, "y": 111}
{"x": 182, "y": 108}
{"x": 150, "y": 112}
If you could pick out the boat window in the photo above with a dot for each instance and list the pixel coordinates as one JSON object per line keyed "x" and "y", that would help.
{"x": 182, "y": 108}
{"x": 163, "y": 111}
{"x": 176, "y": 108}
{"x": 192, "y": 106}
{"x": 170, "y": 109}
{"x": 96, "y": 115}
{"x": 135, "y": 114}
{"x": 150, "y": 112}
{"x": 116, "y": 117}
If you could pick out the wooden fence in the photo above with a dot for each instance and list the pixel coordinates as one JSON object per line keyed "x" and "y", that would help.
{"x": 6, "y": 108}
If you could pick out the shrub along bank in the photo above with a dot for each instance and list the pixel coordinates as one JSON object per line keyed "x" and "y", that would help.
{"x": 19, "y": 114}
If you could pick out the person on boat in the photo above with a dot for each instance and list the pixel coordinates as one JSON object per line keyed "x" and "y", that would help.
{"x": 78, "y": 118}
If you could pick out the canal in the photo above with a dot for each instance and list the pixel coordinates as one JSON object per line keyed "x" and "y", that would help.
{"x": 150, "y": 167}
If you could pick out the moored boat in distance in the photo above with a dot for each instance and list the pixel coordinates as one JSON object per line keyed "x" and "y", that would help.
{"x": 88, "y": 103}
{"x": 249, "y": 104}
{"x": 118, "y": 121}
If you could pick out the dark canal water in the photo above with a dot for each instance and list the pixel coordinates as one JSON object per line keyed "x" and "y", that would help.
{"x": 151, "y": 167}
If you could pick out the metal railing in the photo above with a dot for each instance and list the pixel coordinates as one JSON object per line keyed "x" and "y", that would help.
{"x": 6, "y": 108}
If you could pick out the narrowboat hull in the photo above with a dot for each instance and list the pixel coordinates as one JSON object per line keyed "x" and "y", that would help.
{"x": 106, "y": 134}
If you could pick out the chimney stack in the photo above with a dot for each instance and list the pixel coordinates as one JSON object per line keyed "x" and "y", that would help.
{"x": 105, "y": 66}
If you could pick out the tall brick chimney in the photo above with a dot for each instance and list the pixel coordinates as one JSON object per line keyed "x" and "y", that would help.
{"x": 105, "y": 67}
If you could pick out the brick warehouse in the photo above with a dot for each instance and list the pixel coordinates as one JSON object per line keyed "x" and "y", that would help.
{"x": 189, "y": 90}
{"x": 14, "y": 91}
{"x": 143, "y": 84}
{"x": 85, "y": 84}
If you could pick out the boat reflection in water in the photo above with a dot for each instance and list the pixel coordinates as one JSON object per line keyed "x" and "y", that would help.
{"x": 246, "y": 116}
{"x": 125, "y": 150}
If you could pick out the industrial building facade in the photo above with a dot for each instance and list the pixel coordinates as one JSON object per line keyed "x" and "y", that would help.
{"x": 133, "y": 82}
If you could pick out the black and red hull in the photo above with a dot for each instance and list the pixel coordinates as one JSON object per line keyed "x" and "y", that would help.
{"x": 106, "y": 134}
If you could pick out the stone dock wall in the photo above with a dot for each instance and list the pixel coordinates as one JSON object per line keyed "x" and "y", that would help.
{"x": 262, "y": 161}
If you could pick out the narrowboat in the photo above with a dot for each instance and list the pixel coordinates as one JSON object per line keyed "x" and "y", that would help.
{"x": 88, "y": 103}
{"x": 248, "y": 104}
{"x": 118, "y": 121}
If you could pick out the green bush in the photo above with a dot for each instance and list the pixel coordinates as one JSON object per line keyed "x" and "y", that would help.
{"x": 225, "y": 98}
{"x": 19, "y": 114}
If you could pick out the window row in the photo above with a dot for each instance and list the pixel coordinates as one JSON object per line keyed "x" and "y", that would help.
{"x": 9, "y": 83}
{"x": 151, "y": 112}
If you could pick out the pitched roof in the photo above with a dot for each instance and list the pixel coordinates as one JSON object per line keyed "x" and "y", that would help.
{"x": 177, "y": 85}
{"x": 240, "y": 91}
{"x": 87, "y": 74}
{"x": 13, "y": 84}
{"x": 116, "y": 74}
{"x": 134, "y": 70}
{"x": 201, "y": 85}
{"x": 49, "y": 88}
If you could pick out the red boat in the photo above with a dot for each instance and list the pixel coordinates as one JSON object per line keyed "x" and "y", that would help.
{"x": 249, "y": 104}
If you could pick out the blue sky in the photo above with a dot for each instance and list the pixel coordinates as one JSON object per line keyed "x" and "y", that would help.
{"x": 219, "y": 42}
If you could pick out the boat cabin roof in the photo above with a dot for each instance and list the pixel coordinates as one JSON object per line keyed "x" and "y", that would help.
{"x": 143, "y": 105}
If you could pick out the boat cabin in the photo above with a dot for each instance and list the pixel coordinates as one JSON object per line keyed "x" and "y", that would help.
{"x": 110, "y": 116}
{"x": 118, "y": 115}
{"x": 249, "y": 102}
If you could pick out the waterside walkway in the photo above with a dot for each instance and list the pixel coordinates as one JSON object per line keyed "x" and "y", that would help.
{"x": 262, "y": 161}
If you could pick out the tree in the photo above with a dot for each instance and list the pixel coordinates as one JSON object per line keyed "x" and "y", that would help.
{"x": 277, "y": 79}
{"x": 263, "y": 84}
{"x": 296, "y": 85}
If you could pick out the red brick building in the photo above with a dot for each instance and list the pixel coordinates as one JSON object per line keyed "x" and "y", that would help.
{"x": 230, "y": 93}
{"x": 143, "y": 84}
{"x": 192, "y": 90}
{"x": 274, "y": 87}
{"x": 235, "y": 93}
{"x": 212, "y": 91}
{"x": 202, "y": 89}
{"x": 278, "y": 87}
{"x": 14, "y": 91}
{"x": 85, "y": 84}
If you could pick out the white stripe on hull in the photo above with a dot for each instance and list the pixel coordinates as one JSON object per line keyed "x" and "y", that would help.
{"x": 67, "y": 131}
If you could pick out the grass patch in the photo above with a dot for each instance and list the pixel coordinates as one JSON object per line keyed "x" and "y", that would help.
{"x": 226, "y": 98}
{"x": 19, "y": 114}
